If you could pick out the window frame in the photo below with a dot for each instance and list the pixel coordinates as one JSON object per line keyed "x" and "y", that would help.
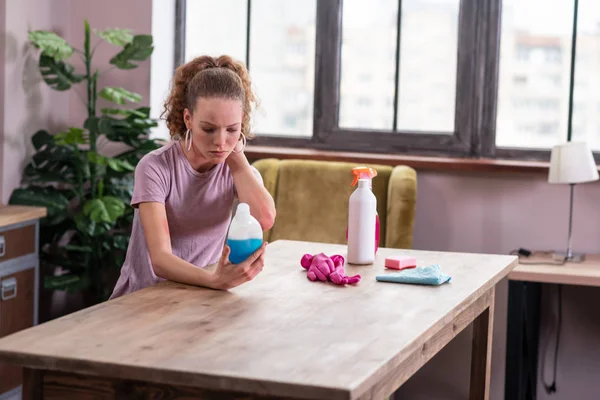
{"x": 477, "y": 73}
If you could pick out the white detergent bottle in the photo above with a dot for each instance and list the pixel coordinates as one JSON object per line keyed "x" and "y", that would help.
{"x": 245, "y": 234}
{"x": 361, "y": 224}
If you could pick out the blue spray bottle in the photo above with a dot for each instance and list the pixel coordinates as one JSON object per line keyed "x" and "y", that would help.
{"x": 245, "y": 234}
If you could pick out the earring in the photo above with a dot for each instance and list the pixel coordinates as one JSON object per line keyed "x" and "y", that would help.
{"x": 243, "y": 144}
{"x": 188, "y": 139}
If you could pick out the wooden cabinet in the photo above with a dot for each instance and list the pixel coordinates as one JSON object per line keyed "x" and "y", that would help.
{"x": 19, "y": 282}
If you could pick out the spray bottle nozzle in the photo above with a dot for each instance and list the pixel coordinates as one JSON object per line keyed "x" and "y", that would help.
{"x": 363, "y": 173}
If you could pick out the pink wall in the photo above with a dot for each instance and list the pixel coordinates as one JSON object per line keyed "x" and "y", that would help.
{"x": 495, "y": 213}
{"x": 29, "y": 104}
{"x": 2, "y": 58}
{"x": 131, "y": 14}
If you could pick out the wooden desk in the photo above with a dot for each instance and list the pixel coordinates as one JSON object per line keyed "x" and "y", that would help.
{"x": 586, "y": 273}
{"x": 280, "y": 335}
{"x": 524, "y": 304}
{"x": 19, "y": 281}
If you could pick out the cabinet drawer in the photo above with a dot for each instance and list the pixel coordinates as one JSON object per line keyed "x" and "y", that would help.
{"x": 16, "y": 313}
{"x": 17, "y": 242}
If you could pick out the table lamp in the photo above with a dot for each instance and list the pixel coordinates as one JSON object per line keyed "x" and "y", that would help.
{"x": 572, "y": 163}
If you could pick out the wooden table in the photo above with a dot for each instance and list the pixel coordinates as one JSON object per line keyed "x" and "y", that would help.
{"x": 280, "y": 335}
{"x": 524, "y": 304}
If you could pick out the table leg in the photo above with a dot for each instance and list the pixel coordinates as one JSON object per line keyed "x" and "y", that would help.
{"x": 481, "y": 353}
{"x": 32, "y": 384}
{"x": 522, "y": 340}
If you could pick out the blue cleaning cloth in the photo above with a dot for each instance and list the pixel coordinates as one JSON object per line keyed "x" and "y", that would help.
{"x": 429, "y": 275}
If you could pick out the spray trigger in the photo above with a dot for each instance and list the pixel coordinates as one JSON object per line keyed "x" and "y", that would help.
{"x": 363, "y": 173}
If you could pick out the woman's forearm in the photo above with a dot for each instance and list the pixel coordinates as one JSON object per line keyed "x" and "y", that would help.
{"x": 173, "y": 268}
{"x": 251, "y": 191}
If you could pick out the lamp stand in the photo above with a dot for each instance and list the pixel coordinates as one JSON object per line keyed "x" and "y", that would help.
{"x": 569, "y": 255}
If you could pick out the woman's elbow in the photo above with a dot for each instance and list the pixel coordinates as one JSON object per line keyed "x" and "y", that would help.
{"x": 267, "y": 219}
{"x": 156, "y": 261}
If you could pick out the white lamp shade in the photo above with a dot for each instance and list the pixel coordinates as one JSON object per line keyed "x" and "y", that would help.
{"x": 572, "y": 162}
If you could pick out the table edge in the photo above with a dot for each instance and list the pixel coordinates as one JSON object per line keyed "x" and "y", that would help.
{"x": 175, "y": 377}
{"x": 415, "y": 346}
{"x": 566, "y": 279}
{"x": 25, "y": 215}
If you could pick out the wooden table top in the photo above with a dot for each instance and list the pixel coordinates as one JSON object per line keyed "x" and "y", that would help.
{"x": 276, "y": 335}
{"x": 543, "y": 269}
{"x": 10, "y": 215}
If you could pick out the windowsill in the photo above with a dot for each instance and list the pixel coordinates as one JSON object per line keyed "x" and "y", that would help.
{"x": 416, "y": 162}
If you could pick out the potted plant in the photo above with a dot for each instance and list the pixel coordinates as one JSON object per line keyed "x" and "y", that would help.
{"x": 85, "y": 235}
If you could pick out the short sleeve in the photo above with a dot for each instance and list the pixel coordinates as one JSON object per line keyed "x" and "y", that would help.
{"x": 151, "y": 183}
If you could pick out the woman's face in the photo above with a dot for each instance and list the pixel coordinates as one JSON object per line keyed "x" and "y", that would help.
{"x": 215, "y": 126}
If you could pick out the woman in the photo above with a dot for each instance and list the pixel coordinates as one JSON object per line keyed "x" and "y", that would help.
{"x": 184, "y": 192}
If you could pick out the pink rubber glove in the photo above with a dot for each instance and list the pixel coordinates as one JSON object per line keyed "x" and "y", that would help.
{"x": 323, "y": 268}
{"x": 319, "y": 267}
{"x": 338, "y": 276}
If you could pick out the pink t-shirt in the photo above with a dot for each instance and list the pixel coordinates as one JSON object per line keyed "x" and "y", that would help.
{"x": 198, "y": 206}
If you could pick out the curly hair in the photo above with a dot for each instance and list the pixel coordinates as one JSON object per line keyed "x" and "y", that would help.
{"x": 207, "y": 76}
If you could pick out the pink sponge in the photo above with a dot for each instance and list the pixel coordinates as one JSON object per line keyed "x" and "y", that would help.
{"x": 400, "y": 262}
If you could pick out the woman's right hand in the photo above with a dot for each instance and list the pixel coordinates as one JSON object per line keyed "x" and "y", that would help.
{"x": 228, "y": 275}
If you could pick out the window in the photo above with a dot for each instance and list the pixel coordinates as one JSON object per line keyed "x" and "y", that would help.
{"x": 276, "y": 40}
{"x": 484, "y": 78}
{"x": 547, "y": 38}
{"x": 372, "y": 28}
{"x": 545, "y": 28}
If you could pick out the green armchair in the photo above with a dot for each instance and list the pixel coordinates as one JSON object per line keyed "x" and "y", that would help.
{"x": 311, "y": 198}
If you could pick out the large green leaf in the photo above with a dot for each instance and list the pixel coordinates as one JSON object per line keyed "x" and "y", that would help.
{"x": 96, "y": 158}
{"x": 51, "y": 45}
{"x": 118, "y": 37}
{"x": 113, "y": 163}
{"x": 69, "y": 282}
{"x": 51, "y": 172}
{"x": 120, "y": 95}
{"x": 139, "y": 49}
{"x": 41, "y": 138}
{"x": 91, "y": 124}
{"x": 59, "y": 75}
{"x": 142, "y": 147}
{"x": 132, "y": 130}
{"x": 123, "y": 112}
{"x": 120, "y": 242}
{"x": 104, "y": 209}
{"x": 90, "y": 228}
{"x": 60, "y": 282}
{"x": 106, "y": 125}
{"x": 56, "y": 162}
{"x": 119, "y": 165}
{"x": 73, "y": 136}
{"x": 77, "y": 248}
{"x": 63, "y": 260}
{"x": 54, "y": 153}
{"x": 55, "y": 202}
